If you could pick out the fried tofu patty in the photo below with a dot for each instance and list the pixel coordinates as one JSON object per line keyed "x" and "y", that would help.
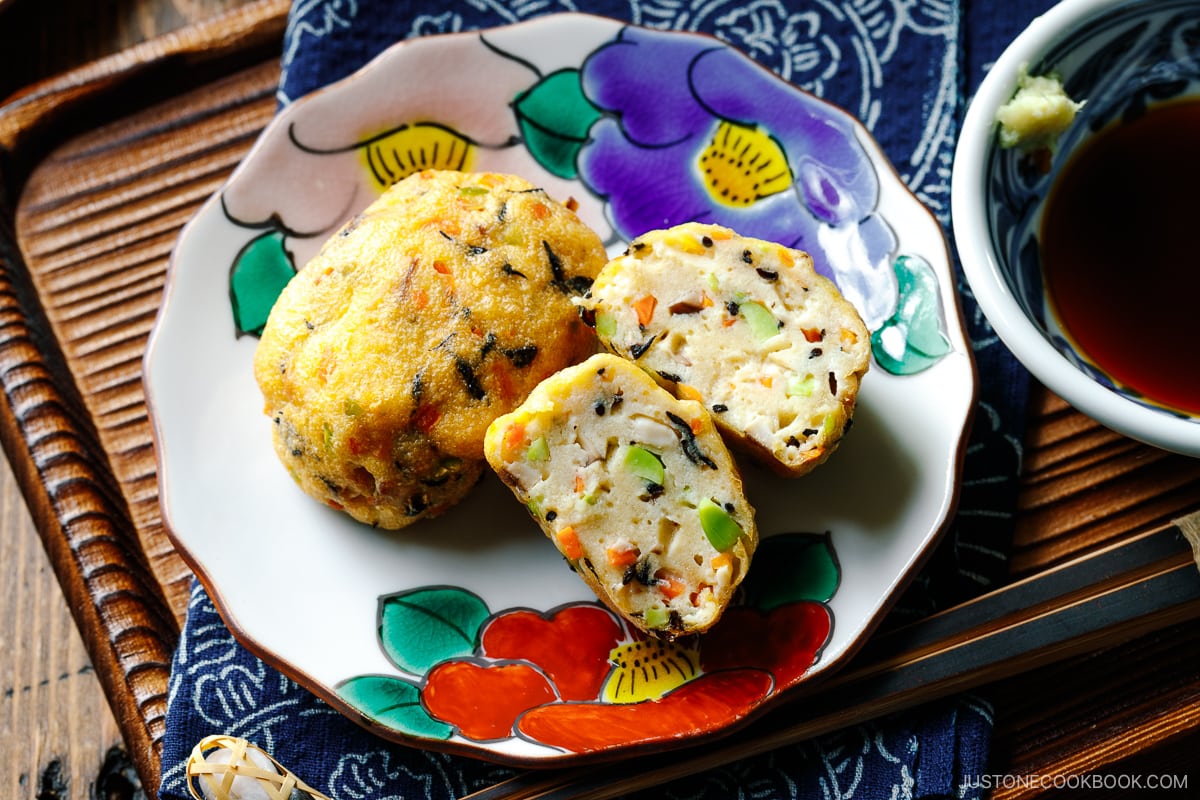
{"x": 745, "y": 326}
{"x": 635, "y": 488}
{"x": 428, "y": 315}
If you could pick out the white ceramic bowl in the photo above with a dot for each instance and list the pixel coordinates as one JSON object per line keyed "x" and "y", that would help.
{"x": 1112, "y": 54}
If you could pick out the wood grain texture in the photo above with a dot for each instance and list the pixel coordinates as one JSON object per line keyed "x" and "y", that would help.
{"x": 82, "y": 261}
{"x": 95, "y": 508}
{"x": 38, "y": 115}
{"x": 97, "y": 232}
{"x": 1084, "y": 486}
{"x": 96, "y": 255}
{"x": 65, "y": 34}
{"x": 1124, "y": 705}
{"x": 54, "y": 720}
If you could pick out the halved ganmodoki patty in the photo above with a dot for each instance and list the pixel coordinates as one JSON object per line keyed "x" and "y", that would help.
{"x": 636, "y": 489}
{"x": 423, "y": 319}
{"x": 746, "y": 327}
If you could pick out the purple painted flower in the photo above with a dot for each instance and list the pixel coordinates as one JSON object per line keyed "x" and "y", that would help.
{"x": 696, "y": 131}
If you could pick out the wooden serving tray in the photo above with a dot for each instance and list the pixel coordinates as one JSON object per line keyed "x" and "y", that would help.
{"x": 100, "y": 168}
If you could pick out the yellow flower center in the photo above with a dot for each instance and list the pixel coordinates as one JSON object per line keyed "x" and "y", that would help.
{"x": 647, "y": 670}
{"x": 412, "y": 148}
{"x": 742, "y": 165}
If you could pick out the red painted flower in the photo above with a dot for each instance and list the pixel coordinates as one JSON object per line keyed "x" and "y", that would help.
{"x": 483, "y": 702}
{"x": 784, "y": 641}
{"x": 709, "y": 703}
{"x": 571, "y": 646}
{"x": 579, "y": 680}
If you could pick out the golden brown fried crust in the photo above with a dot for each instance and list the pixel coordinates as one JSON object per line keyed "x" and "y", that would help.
{"x": 423, "y": 319}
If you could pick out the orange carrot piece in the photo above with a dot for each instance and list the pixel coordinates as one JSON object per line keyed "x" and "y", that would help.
{"x": 670, "y": 584}
{"x": 568, "y": 543}
{"x": 645, "y": 309}
{"x": 514, "y": 436}
{"x": 622, "y": 555}
{"x": 446, "y": 225}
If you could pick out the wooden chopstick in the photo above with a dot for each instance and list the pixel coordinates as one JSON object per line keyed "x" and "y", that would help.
{"x": 1099, "y": 600}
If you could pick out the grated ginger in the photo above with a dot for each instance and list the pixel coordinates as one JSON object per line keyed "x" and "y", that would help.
{"x": 1037, "y": 114}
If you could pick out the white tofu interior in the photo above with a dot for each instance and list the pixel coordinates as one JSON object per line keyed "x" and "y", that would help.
{"x": 770, "y": 347}
{"x": 638, "y": 481}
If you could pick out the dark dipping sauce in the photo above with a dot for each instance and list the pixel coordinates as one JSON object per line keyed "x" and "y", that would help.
{"x": 1120, "y": 247}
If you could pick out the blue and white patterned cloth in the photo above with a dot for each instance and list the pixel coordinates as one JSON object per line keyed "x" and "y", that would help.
{"x": 906, "y": 69}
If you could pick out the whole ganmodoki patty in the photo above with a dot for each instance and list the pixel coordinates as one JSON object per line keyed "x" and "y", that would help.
{"x": 635, "y": 488}
{"x": 745, "y": 326}
{"x": 424, "y": 318}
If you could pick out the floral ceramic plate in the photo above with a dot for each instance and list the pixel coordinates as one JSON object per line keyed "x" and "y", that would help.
{"x": 468, "y": 633}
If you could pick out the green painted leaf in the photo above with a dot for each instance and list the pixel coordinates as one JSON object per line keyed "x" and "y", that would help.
{"x": 421, "y": 628}
{"x": 793, "y": 567}
{"x": 911, "y": 340}
{"x": 260, "y": 271}
{"x": 554, "y": 117}
{"x": 393, "y": 703}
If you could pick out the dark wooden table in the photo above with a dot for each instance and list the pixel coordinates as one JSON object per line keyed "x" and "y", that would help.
{"x": 80, "y": 455}
{"x": 58, "y": 737}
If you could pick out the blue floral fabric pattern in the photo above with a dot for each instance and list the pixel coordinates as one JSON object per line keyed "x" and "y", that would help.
{"x": 905, "y": 68}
